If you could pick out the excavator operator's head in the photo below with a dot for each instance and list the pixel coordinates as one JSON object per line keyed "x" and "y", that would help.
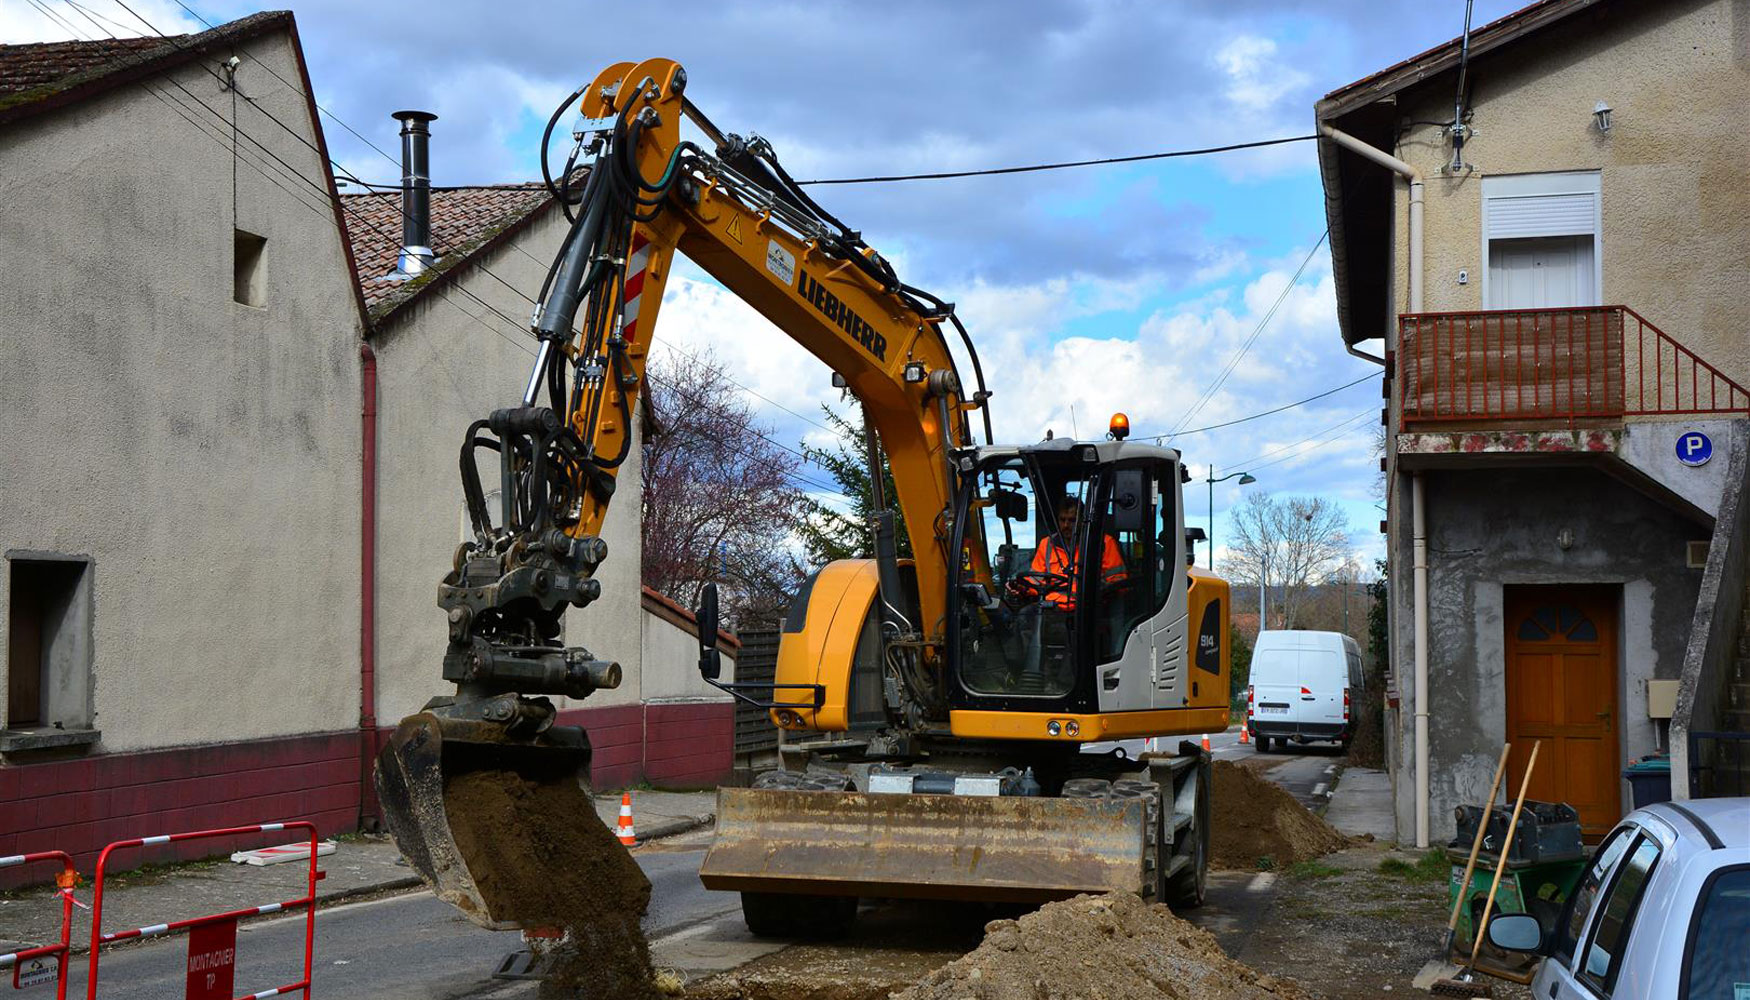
{"x": 1069, "y": 511}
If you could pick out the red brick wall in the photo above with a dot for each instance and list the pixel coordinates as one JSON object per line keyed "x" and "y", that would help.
{"x": 688, "y": 745}
{"x": 677, "y": 745}
{"x": 81, "y": 805}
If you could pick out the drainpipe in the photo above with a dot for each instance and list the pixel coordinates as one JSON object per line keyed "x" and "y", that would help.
{"x": 368, "y": 593}
{"x": 1418, "y": 528}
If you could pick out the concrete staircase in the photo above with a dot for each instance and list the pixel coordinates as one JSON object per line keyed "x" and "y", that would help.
{"x": 1731, "y": 758}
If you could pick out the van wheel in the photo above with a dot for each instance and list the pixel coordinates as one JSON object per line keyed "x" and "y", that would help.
{"x": 1262, "y": 743}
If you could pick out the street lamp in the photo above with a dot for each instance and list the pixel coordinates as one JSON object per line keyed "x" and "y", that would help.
{"x": 1246, "y": 478}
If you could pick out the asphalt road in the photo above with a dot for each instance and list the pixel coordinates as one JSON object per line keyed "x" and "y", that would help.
{"x": 407, "y": 947}
{"x": 412, "y": 947}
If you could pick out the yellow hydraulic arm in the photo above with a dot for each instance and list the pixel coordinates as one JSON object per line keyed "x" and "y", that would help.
{"x": 852, "y": 315}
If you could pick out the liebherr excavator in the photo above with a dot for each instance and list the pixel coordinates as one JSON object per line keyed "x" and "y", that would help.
{"x": 938, "y": 709}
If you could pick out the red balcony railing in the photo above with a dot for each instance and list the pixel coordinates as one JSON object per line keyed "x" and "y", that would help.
{"x": 1540, "y": 365}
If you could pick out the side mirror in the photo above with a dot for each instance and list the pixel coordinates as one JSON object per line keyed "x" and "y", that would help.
{"x": 710, "y": 660}
{"x": 1516, "y": 932}
{"x": 1010, "y": 505}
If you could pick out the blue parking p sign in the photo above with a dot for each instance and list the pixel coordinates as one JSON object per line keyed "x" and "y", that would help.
{"x": 1694, "y": 448}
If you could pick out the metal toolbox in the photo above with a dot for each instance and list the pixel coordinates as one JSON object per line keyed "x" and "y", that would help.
{"x": 1548, "y": 831}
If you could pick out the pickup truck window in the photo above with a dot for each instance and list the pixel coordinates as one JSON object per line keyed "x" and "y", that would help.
{"x": 1616, "y": 917}
{"x": 1717, "y": 966}
{"x": 1580, "y": 903}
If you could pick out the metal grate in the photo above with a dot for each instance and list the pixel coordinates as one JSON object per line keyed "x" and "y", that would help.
{"x": 755, "y": 663}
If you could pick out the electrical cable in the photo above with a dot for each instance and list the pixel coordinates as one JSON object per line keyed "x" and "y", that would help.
{"x": 1036, "y": 167}
{"x": 1264, "y": 321}
{"x": 1250, "y": 466}
{"x": 1265, "y": 413}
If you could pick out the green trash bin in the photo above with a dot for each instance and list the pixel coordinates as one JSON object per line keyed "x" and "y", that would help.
{"x": 1649, "y": 779}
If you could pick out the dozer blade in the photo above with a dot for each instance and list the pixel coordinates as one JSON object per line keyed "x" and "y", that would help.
{"x": 474, "y": 812}
{"x": 996, "y": 848}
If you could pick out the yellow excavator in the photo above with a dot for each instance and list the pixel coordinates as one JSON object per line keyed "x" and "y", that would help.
{"x": 943, "y": 714}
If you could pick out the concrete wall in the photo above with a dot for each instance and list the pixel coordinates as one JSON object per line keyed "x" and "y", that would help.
{"x": 1675, "y": 243}
{"x": 670, "y": 667}
{"x": 1489, "y": 529}
{"x": 445, "y": 362}
{"x": 1651, "y": 447}
{"x": 204, "y": 454}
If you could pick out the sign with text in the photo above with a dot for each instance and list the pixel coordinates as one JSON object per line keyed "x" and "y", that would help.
{"x": 212, "y": 961}
{"x": 37, "y": 971}
{"x": 1694, "y": 449}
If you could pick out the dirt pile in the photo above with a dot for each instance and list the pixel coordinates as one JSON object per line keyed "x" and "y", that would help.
{"x": 1113, "y": 947}
{"x": 540, "y": 854}
{"x": 1256, "y": 819}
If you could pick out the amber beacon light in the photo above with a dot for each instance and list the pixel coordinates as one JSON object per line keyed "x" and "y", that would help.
{"x": 1120, "y": 427}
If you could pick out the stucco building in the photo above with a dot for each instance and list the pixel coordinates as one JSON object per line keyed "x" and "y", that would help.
{"x": 230, "y": 485}
{"x": 1555, "y": 288}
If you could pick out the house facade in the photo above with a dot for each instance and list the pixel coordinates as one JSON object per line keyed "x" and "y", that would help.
{"x": 230, "y": 486}
{"x": 1554, "y": 288}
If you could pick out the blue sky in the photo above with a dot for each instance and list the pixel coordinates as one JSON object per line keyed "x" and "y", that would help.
{"x": 1109, "y": 288}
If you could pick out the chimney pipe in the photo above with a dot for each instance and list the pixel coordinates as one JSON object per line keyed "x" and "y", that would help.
{"x": 416, "y": 253}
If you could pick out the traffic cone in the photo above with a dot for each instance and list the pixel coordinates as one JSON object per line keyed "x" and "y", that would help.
{"x": 1205, "y": 742}
{"x": 627, "y": 835}
{"x": 1243, "y": 738}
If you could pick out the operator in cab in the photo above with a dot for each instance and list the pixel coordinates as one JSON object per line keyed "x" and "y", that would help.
{"x": 1059, "y": 559}
{"x": 1049, "y": 590}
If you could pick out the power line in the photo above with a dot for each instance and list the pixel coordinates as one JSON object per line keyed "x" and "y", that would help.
{"x": 1034, "y": 168}
{"x": 1249, "y": 465}
{"x": 1266, "y": 413}
{"x": 1264, "y": 321}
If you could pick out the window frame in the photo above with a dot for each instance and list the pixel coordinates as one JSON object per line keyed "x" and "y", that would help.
{"x": 1533, "y": 185}
{"x": 1626, "y": 834}
{"x": 1606, "y": 985}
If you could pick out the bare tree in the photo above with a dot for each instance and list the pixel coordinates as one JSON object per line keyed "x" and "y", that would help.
{"x": 719, "y": 500}
{"x": 1288, "y": 545}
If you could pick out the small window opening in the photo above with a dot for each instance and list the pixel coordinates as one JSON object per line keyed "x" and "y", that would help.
{"x": 249, "y": 285}
{"x": 48, "y": 645}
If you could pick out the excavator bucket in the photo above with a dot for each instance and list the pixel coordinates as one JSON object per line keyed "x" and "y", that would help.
{"x": 467, "y": 806}
{"x": 996, "y": 848}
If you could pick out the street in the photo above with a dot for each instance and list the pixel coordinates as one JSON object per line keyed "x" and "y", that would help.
{"x": 412, "y": 947}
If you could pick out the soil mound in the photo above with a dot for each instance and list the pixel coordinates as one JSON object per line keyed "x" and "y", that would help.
{"x": 539, "y": 848}
{"x": 1112, "y": 947}
{"x": 1256, "y": 819}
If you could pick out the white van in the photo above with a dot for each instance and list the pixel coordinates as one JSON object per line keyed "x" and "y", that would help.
{"x": 1303, "y": 684}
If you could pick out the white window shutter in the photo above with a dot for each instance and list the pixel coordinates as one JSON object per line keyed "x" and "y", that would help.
{"x": 1542, "y": 215}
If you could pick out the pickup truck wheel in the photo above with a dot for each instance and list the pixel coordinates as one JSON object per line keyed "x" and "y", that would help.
{"x": 783, "y": 915}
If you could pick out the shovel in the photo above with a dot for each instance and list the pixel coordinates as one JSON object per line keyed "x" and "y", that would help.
{"x": 1465, "y": 984}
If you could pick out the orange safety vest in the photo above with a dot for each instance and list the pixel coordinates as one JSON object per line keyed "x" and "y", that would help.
{"x": 1052, "y": 558}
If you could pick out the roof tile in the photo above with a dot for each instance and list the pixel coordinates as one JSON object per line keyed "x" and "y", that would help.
{"x": 462, "y": 218}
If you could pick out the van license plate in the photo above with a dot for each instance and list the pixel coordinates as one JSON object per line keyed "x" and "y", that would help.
{"x": 1272, "y": 709}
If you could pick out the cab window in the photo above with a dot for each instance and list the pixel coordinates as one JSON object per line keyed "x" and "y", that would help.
{"x": 1718, "y": 964}
{"x": 1616, "y": 917}
{"x": 1580, "y": 903}
{"x": 1138, "y": 525}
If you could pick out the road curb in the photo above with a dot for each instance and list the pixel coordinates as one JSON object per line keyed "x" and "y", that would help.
{"x": 676, "y": 827}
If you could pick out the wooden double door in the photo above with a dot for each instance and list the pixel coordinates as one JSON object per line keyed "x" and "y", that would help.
{"x": 1562, "y": 690}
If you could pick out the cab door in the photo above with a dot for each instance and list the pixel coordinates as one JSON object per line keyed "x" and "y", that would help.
{"x": 1137, "y": 621}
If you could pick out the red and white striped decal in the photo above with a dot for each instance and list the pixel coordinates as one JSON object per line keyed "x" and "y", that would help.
{"x": 635, "y": 267}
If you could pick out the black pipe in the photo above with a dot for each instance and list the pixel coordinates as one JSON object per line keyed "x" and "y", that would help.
{"x": 415, "y": 185}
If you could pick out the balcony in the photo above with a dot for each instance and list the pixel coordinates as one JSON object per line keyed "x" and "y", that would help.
{"x": 1533, "y": 368}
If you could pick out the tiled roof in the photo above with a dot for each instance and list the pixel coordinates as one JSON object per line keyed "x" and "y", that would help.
{"x": 24, "y": 67}
{"x": 464, "y": 220}
{"x": 40, "y": 76}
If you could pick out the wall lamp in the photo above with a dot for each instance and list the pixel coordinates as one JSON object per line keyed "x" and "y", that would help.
{"x": 1601, "y": 114}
